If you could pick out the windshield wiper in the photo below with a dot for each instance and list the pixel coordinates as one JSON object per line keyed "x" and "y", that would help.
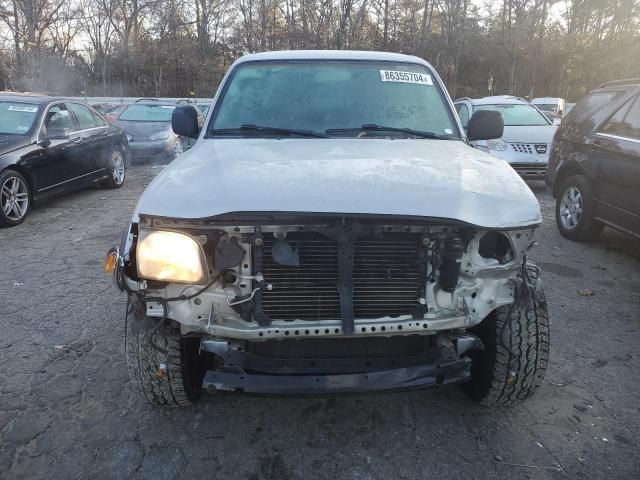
{"x": 277, "y": 130}
{"x": 372, "y": 127}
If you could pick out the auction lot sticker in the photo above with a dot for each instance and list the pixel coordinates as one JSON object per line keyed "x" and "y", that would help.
{"x": 405, "y": 77}
{"x": 22, "y": 108}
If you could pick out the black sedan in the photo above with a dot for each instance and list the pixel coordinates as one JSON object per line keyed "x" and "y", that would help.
{"x": 50, "y": 146}
{"x": 594, "y": 167}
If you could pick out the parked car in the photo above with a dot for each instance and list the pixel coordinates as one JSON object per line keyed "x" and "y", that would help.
{"x": 50, "y": 146}
{"x": 594, "y": 170}
{"x": 101, "y": 108}
{"x": 110, "y": 111}
{"x": 553, "y": 107}
{"x": 527, "y": 133}
{"x": 112, "y": 114}
{"x": 147, "y": 123}
{"x": 332, "y": 231}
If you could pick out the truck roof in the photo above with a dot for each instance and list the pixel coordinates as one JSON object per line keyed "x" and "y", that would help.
{"x": 331, "y": 55}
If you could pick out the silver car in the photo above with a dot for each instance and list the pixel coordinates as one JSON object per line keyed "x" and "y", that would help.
{"x": 147, "y": 123}
{"x": 527, "y": 136}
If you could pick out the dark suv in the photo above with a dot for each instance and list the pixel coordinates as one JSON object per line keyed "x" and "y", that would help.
{"x": 594, "y": 166}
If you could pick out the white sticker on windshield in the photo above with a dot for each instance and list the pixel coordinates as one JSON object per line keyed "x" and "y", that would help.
{"x": 22, "y": 108}
{"x": 21, "y": 128}
{"x": 405, "y": 77}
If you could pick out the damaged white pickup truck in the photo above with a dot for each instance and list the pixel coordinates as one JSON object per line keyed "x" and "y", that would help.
{"x": 333, "y": 231}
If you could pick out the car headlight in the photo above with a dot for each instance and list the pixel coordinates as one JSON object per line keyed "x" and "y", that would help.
{"x": 497, "y": 144}
{"x": 160, "y": 135}
{"x": 170, "y": 257}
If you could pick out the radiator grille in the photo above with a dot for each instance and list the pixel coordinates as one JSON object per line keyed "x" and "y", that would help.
{"x": 534, "y": 167}
{"x": 385, "y": 278}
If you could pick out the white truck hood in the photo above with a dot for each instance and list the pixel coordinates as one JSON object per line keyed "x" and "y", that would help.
{"x": 409, "y": 177}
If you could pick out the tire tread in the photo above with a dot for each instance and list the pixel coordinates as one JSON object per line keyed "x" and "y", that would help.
{"x": 143, "y": 362}
{"x": 521, "y": 335}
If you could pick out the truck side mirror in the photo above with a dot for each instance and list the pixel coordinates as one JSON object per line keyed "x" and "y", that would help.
{"x": 485, "y": 125}
{"x": 184, "y": 121}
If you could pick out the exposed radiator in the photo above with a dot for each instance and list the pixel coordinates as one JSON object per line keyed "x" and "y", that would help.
{"x": 386, "y": 278}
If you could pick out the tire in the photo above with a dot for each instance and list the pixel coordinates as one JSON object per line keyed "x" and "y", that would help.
{"x": 575, "y": 215}
{"x": 15, "y": 198}
{"x": 164, "y": 368}
{"x": 117, "y": 169}
{"x": 516, "y": 348}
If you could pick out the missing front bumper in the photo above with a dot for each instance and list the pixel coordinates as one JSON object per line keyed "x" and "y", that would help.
{"x": 247, "y": 372}
{"x": 409, "y": 378}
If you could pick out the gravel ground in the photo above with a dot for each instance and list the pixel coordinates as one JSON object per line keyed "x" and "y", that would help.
{"x": 67, "y": 410}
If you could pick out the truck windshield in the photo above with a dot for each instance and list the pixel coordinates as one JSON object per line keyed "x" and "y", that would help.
{"x": 333, "y": 98}
{"x": 16, "y": 118}
{"x": 515, "y": 115}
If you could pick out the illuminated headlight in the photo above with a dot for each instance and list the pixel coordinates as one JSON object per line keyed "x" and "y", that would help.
{"x": 170, "y": 257}
{"x": 497, "y": 144}
{"x": 160, "y": 135}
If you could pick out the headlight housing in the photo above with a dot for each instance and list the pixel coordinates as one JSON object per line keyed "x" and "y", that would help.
{"x": 170, "y": 257}
{"x": 160, "y": 135}
{"x": 497, "y": 145}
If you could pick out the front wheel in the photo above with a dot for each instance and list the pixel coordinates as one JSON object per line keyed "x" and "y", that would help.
{"x": 516, "y": 347}
{"x": 165, "y": 368}
{"x": 117, "y": 170}
{"x": 15, "y": 198}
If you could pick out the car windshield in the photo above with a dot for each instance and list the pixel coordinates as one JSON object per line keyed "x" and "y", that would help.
{"x": 547, "y": 107}
{"x": 517, "y": 114}
{"x": 16, "y": 118}
{"x": 139, "y": 112}
{"x": 339, "y": 97}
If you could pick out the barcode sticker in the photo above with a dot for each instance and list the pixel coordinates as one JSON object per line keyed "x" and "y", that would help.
{"x": 405, "y": 77}
{"x": 22, "y": 108}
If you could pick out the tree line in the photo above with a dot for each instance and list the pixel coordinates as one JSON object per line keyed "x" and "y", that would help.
{"x": 182, "y": 48}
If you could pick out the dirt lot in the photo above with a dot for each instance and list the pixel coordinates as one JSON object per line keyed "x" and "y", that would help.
{"x": 66, "y": 409}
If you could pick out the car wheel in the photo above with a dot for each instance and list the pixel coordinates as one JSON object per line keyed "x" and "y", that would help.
{"x": 178, "y": 148}
{"x": 15, "y": 198}
{"x": 512, "y": 364}
{"x": 574, "y": 210}
{"x": 117, "y": 170}
{"x": 165, "y": 368}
